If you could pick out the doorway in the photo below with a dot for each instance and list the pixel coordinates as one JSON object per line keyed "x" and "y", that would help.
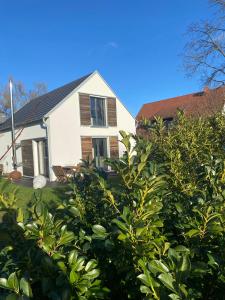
{"x": 99, "y": 146}
{"x": 27, "y": 158}
{"x": 35, "y": 157}
{"x": 42, "y": 153}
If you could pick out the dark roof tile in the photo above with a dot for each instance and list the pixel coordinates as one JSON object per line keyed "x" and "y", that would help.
{"x": 37, "y": 108}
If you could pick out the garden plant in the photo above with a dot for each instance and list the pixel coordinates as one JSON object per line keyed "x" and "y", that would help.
{"x": 154, "y": 231}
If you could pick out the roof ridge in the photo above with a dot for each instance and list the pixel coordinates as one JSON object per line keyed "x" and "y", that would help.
{"x": 186, "y": 95}
{"x": 172, "y": 98}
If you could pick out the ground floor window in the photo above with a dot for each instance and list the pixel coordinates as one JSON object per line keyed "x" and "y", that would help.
{"x": 99, "y": 146}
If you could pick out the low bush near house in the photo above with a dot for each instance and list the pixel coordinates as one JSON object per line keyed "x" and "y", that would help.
{"x": 157, "y": 232}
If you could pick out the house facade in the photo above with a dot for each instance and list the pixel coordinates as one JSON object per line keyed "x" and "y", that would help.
{"x": 80, "y": 120}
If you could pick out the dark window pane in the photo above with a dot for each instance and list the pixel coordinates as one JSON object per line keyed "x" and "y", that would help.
{"x": 100, "y": 151}
{"x": 101, "y": 147}
{"x": 97, "y": 111}
{"x": 93, "y": 111}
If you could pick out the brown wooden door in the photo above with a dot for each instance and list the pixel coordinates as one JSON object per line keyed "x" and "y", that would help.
{"x": 27, "y": 158}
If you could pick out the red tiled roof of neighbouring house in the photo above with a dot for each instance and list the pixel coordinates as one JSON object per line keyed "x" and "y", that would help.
{"x": 204, "y": 103}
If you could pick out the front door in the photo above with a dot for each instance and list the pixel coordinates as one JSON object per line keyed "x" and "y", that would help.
{"x": 27, "y": 158}
{"x": 100, "y": 151}
{"x": 35, "y": 157}
{"x": 42, "y": 148}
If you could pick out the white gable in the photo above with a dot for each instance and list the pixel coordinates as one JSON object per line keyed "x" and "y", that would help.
{"x": 96, "y": 83}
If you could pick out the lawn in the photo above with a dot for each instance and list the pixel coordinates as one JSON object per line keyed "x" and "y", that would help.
{"x": 50, "y": 195}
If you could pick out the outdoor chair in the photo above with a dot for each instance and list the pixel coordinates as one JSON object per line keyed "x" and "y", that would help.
{"x": 60, "y": 173}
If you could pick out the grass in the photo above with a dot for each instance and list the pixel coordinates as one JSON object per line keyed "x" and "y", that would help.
{"x": 52, "y": 196}
{"x": 24, "y": 195}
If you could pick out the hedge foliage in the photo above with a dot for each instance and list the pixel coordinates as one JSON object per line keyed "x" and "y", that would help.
{"x": 156, "y": 232}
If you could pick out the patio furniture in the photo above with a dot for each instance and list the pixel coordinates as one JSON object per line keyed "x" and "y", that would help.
{"x": 15, "y": 175}
{"x": 69, "y": 170}
{"x": 61, "y": 174}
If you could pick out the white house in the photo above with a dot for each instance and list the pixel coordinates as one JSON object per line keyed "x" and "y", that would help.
{"x": 78, "y": 120}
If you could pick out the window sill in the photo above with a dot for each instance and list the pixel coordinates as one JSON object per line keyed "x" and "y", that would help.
{"x": 96, "y": 126}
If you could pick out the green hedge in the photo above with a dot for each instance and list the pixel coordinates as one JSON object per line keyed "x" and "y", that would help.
{"x": 157, "y": 232}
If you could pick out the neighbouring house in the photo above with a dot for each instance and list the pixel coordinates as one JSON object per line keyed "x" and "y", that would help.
{"x": 204, "y": 103}
{"x": 79, "y": 120}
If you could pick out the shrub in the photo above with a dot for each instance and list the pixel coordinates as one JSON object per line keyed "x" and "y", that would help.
{"x": 156, "y": 232}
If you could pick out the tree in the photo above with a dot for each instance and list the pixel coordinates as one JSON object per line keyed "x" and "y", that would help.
{"x": 205, "y": 50}
{"x": 21, "y": 95}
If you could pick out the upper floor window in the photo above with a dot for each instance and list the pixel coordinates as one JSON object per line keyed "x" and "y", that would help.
{"x": 98, "y": 111}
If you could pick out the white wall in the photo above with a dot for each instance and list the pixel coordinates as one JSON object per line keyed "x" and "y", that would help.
{"x": 65, "y": 130}
{"x": 32, "y": 132}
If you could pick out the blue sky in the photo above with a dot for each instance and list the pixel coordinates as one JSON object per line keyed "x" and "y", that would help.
{"x": 136, "y": 45}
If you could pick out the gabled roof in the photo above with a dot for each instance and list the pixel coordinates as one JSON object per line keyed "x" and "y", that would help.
{"x": 37, "y": 108}
{"x": 204, "y": 103}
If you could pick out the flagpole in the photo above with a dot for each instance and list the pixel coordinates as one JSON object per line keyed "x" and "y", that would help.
{"x": 13, "y": 127}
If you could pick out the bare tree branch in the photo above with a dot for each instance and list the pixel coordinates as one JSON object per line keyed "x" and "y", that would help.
{"x": 20, "y": 94}
{"x": 205, "y": 50}
{"x": 219, "y": 3}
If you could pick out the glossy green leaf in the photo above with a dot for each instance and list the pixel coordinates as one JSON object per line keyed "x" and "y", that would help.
{"x": 25, "y": 287}
{"x": 122, "y": 237}
{"x": 157, "y": 266}
{"x": 13, "y": 282}
{"x": 167, "y": 280}
{"x": 99, "y": 230}
{"x": 174, "y": 297}
{"x": 120, "y": 224}
{"x": 79, "y": 264}
{"x": 92, "y": 274}
{"x": 66, "y": 238}
{"x": 73, "y": 257}
{"x": 90, "y": 265}
{"x": 145, "y": 290}
{"x": 62, "y": 266}
{"x": 185, "y": 264}
{"x": 19, "y": 218}
{"x": 192, "y": 232}
{"x": 144, "y": 279}
{"x": 74, "y": 276}
{"x": 3, "y": 283}
{"x": 141, "y": 166}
